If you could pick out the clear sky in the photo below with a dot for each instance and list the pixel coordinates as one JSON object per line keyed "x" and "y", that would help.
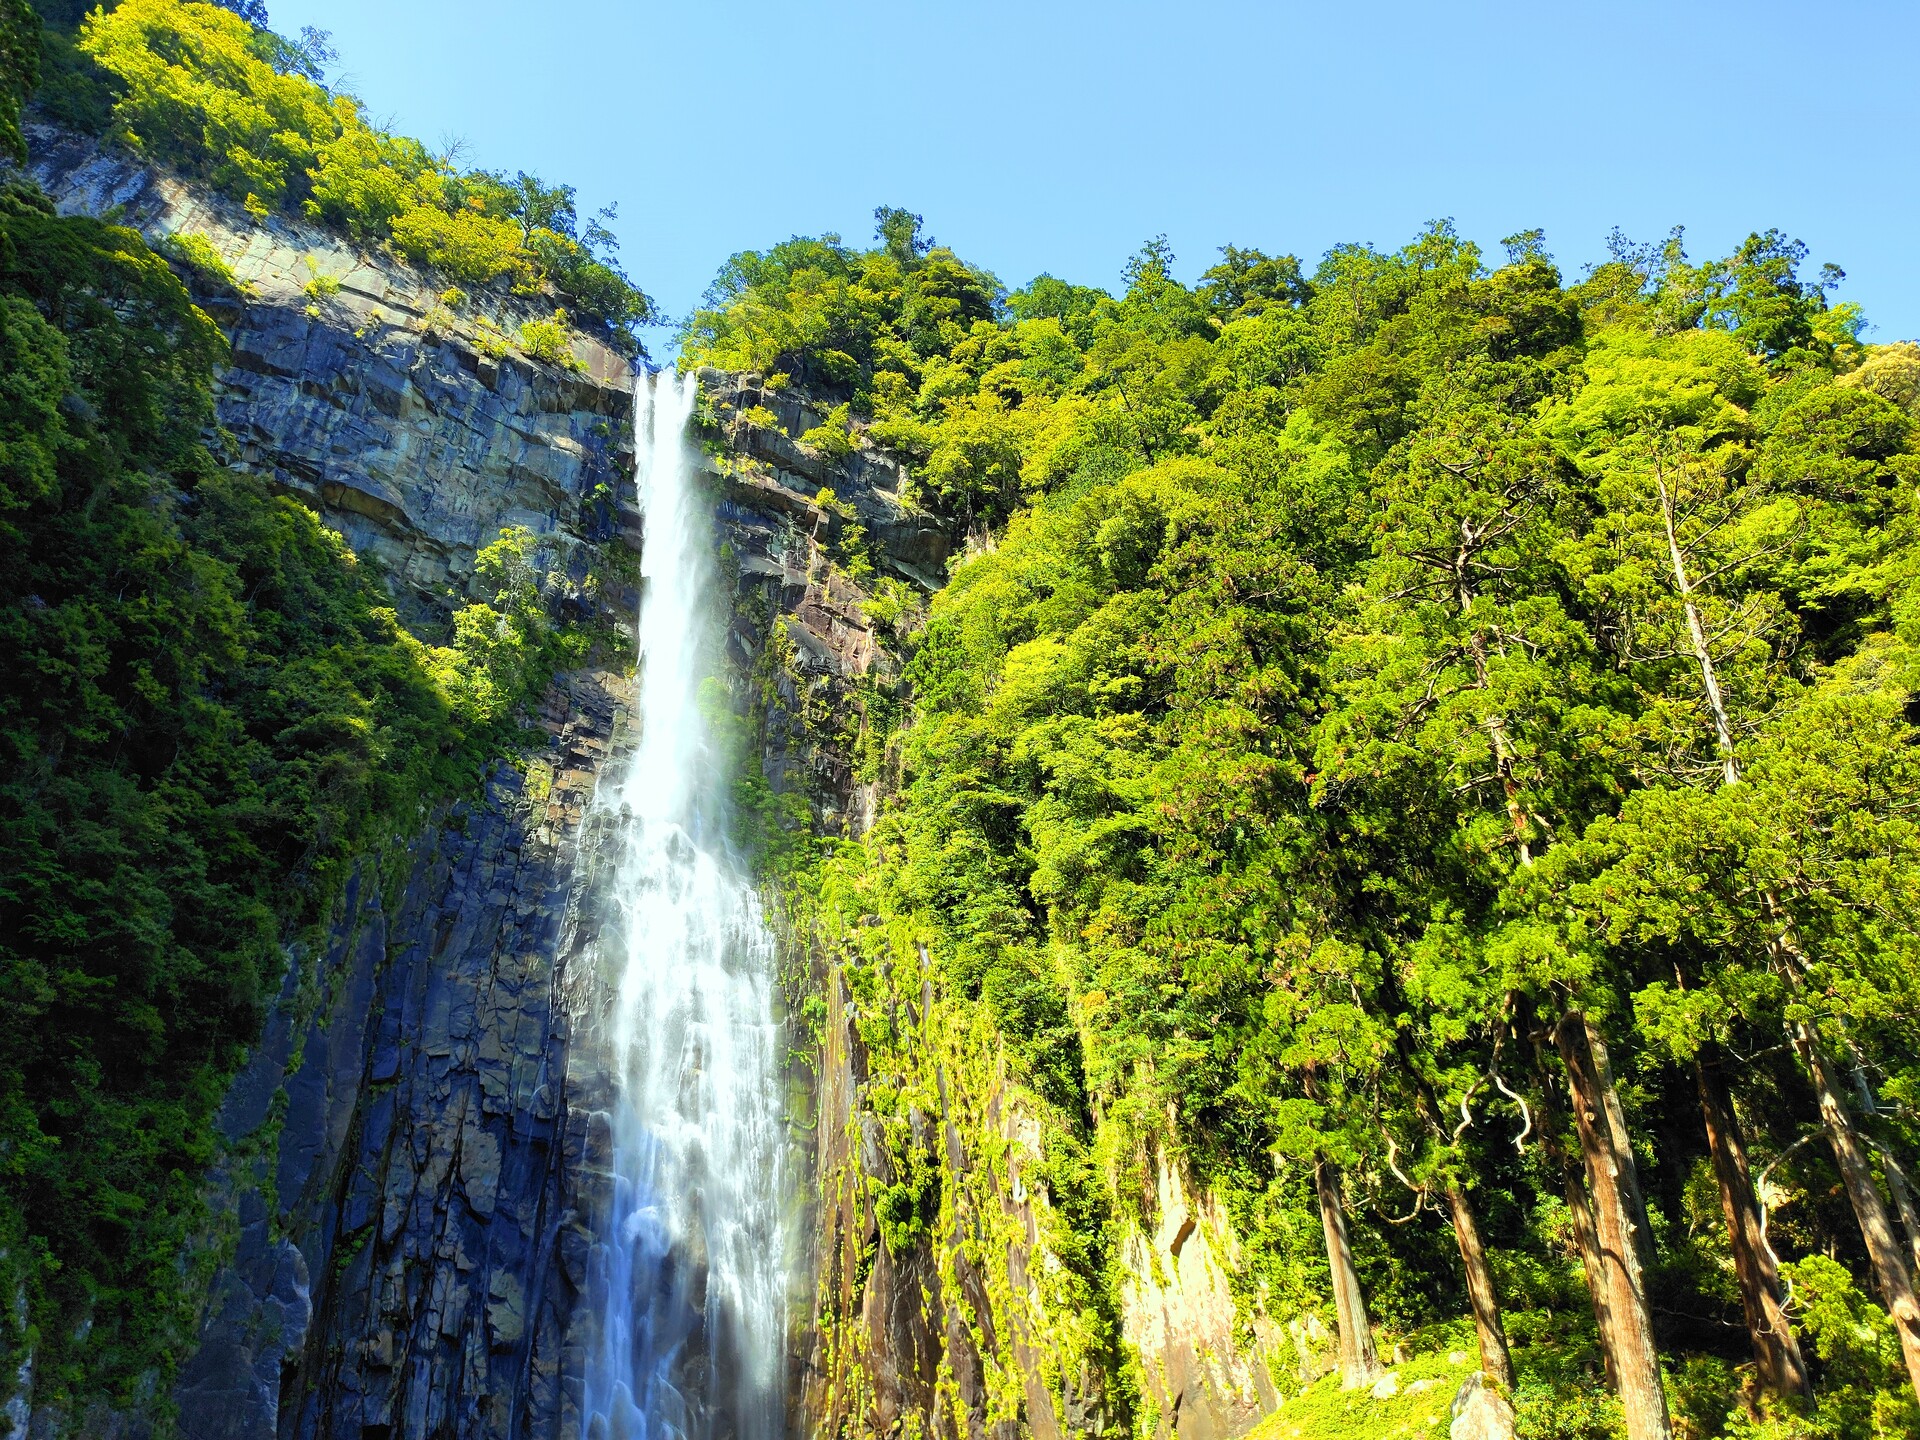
{"x": 1057, "y": 135}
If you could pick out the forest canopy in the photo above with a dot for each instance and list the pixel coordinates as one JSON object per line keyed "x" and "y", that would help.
{"x": 1424, "y": 742}
{"x": 209, "y": 90}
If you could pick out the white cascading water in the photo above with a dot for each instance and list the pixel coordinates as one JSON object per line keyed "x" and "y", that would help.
{"x": 689, "y": 1268}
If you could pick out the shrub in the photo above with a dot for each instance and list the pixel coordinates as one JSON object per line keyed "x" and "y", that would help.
{"x": 830, "y": 438}
{"x": 490, "y": 339}
{"x": 320, "y": 287}
{"x": 464, "y": 245}
{"x": 365, "y": 179}
{"x": 549, "y": 341}
{"x": 19, "y": 72}
{"x": 598, "y": 291}
{"x": 198, "y": 254}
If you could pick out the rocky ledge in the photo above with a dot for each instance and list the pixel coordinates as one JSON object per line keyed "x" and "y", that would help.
{"x": 415, "y": 429}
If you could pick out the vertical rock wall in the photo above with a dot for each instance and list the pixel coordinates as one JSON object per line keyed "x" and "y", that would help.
{"x": 393, "y": 1199}
{"x": 397, "y": 1173}
{"x": 1206, "y": 1374}
{"x": 412, "y": 1154}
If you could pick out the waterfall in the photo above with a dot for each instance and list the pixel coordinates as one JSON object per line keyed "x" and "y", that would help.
{"x": 687, "y": 1271}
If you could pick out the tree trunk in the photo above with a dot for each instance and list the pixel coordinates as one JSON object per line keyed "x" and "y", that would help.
{"x": 1586, "y": 1239}
{"x": 1909, "y": 1215}
{"x": 1615, "y": 1186}
{"x": 1503, "y": 765}
{"x": 1776, "y": 1352}
{"x": 1697, "y": 634}
{"x": 1579, "y": 1208}
{"x": 1876, "y": 1226}
{"x": 1641, "y": 1230}
{"x": 1903, "y": 1205}
{"x": 1496, "y": 1361}
{"x": 1359, "y": 1360}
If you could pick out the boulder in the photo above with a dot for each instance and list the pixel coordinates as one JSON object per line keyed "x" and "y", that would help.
{"x": 1480, "y": 1412}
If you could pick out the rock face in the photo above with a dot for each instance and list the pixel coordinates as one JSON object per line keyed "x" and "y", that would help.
{"x": 1200, "y": 1379}
{"x": 413, "y": 1156}
{"x": 396, "y": 1159}
{"x": 979, "y": 1327}
{"x": 952, "y": 1330}
{"x": 1480, "y": 1412}
{"x": 412, "y": 428}
{"x": 394, "y": 1195}
{"x": 806, "y": 659}
{"x": 907, "y": 541}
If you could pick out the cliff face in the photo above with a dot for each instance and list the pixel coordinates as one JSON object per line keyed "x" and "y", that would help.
{"x": 411, "y": 426}
{"x": 413, "y": 1156}
{"x": 1008, "y": 1309}
{"x": 401, "y": 1152}
{"x": 400, "y": 1174}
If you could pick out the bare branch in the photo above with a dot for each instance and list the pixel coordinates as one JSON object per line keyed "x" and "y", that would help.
{"x": 1466, "y": 1115}
{"x": 1526, "y": 1115}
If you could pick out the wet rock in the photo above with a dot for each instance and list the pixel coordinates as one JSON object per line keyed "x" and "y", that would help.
{"x": 433, "y": 1218}
{"x": 506, "y": 1309}
{"x": 480, "y": 1168}
{"x": 259, "y": 1312}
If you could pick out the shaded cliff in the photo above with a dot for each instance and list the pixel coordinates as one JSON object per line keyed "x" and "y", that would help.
{"x": 391, "y": 1205}
{"x": 398, "y": 1171}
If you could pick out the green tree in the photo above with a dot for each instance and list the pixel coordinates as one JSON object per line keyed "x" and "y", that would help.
{"x": 19, "y": 72}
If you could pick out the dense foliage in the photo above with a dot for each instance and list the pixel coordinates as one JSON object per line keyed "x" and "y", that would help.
{"x": 208, "y": 711}
{"x": 19, "y": 73}
{"x": 1402, "y": 711}
{"x": 217, "y": 95}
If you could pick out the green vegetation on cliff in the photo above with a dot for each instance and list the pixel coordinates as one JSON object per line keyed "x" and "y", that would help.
{"x": 222, "y": 98}
{"x": 209, "y": 712}
{"x": 1428, "y": 744}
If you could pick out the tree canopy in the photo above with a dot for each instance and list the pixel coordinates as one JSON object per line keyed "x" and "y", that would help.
{"x": 209, "y": 90}
{"x": 1407, "y": 708}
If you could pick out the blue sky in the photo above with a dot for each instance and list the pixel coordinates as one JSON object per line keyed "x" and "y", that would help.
{"x": 1059, "y": 136}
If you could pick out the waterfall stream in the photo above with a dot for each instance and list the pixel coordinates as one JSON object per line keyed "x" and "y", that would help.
{"x": 688, "y": 1268}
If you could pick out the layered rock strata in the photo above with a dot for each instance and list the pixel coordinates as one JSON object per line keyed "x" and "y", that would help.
{"x": 393, "y": 1205}
{"x": 411, "y": 426}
